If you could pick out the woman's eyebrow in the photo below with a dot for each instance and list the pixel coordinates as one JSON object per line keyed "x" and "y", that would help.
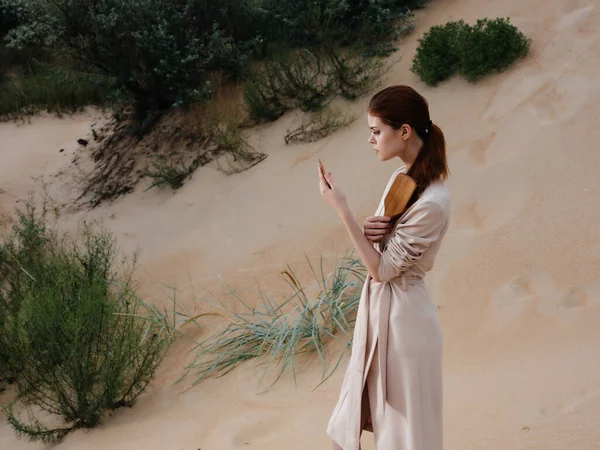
{"x": 373, "y": 127}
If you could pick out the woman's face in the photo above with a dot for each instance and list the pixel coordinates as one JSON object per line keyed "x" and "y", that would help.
{"x": 387, "y": 142}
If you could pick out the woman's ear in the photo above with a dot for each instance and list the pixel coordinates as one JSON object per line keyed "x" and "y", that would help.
{"x": 405, "y": 131}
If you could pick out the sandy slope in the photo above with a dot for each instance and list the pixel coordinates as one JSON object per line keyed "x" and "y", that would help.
{"x": 517, "y": 279}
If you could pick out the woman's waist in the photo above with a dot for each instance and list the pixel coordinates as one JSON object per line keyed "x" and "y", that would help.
{"x": 405, "y": 279}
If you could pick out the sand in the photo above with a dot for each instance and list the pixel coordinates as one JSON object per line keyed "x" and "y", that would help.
{"x": 516, "y": 280}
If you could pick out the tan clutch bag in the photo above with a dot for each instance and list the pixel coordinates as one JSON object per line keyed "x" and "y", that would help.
{"x": 399, "y": 195}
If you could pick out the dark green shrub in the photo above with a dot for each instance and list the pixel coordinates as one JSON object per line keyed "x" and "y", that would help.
{"x": 437, "y": 56}
{"x": 473, "y": 51}
{"x": 490, "y": 46}
{"x": 71, "y": 335}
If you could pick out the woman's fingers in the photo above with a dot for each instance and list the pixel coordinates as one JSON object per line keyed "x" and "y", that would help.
{"x": 376, "y": 231}
{"x": 378, "y": 234}
{"x": 377, "y": 222}
{"x": 373, "y": 238}
{"x": 378, "y": 219}
{"x": 375, "y": 227}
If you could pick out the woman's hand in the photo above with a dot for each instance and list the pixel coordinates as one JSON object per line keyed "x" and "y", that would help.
{"x": 333, "y": 195}
{"x": 375, "y": 227}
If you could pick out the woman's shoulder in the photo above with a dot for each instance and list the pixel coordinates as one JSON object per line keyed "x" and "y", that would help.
{"x": 436, "y": 196}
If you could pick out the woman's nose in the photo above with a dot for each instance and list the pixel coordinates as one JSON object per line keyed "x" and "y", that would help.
{"x": 371, "y": 139}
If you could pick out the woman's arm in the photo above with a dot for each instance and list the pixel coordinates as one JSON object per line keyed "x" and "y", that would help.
{"x": 419, "y": 229}
{"x": 337, "y": 199}
{"x": 367, "y": 253}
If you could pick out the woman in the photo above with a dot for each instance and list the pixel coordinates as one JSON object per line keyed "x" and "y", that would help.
{"x": 393, "y": 383}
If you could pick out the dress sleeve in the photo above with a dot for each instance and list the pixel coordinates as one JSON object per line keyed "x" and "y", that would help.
{"x": 413, "y": 234}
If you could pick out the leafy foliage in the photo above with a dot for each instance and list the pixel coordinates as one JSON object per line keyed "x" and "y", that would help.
{"x": 437, "y": 55}
{"x": 473, "y": 51}
{"x": 163, "y": 52}
{"x": 490, "y": 46}
{"x": 70, "y": 335}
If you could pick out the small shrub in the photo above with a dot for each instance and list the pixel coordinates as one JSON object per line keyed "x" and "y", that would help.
{"x": 437, "y": 56}
{"x": 166, "y": 172}
{"x": 473, "y": 51}
{"x": 74, "y": 339}
{"x": 318, "y": 125}
{"x": 239, "y": 154}
{"x": 490, "y": 46}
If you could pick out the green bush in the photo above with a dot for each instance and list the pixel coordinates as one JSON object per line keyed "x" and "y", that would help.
{"x": 71, "y": 333}
{"x": 490, "y": 46}
{"x": 437, "y": 56}
{"x": 473, "y": 51}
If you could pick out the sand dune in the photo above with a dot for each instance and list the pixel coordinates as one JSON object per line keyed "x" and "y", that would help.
{"x": 517, "y": 280}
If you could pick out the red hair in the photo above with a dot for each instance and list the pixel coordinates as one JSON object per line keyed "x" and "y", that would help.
{"x": 399, "y": 105}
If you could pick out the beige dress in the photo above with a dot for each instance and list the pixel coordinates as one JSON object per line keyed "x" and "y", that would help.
{"x": 397, "y": 345}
